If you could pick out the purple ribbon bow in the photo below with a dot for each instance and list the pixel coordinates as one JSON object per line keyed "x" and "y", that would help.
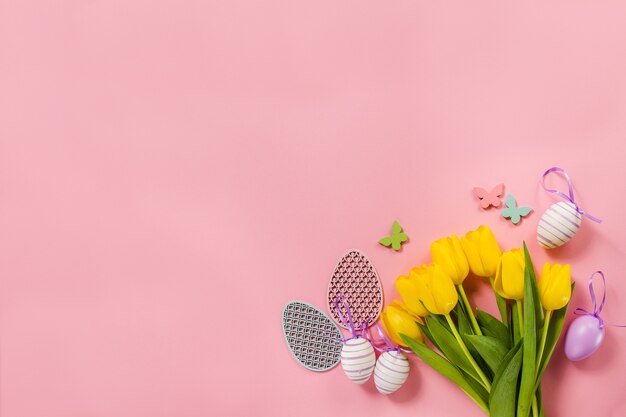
{"x": 597, "y": 309}
{"x": 569, "y": 198}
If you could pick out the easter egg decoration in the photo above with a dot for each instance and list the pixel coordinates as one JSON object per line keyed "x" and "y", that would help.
{"x": 586, "y": 333}
{"x": 489, "y": 198}
{"x": 312, "y": 337}
{"x": 392, "y": 370}
{"x": 357, "y": 355}
{"x": 355, "y": 279}
{"x": 358, "y": 359}
{"x": 397, "y": 238}
{"x": 561, "y": 221}
{"x": 392, "y": 367}
{"x": 584, "y": 336}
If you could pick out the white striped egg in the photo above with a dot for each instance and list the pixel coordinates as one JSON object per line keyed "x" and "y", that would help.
{"x": 392, "y": 369}
{"x": 558, "y": 225}
{"x": 358, "y": 359}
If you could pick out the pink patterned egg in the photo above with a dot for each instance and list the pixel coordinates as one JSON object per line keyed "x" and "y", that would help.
{"x": 356, "y": 279}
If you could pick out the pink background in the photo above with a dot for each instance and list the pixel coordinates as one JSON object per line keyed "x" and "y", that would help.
{"x": 173, "y": 172}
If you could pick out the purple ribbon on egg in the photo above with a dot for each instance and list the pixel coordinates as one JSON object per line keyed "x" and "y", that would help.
{"x": 569, "y": 198}
{"x": 597, "y": 309}
{"x": 390, "y": 346}
{"x": 348, "y": 322}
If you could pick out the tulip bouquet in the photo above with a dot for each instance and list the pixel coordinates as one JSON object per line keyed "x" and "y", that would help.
{"x": 498, "y": 363}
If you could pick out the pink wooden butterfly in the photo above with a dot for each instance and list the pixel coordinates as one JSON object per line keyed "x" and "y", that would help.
{"x": 489, "y": 198}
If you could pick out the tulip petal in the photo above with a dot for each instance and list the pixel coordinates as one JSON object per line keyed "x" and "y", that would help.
{"x": 497, "y": 282}
{"x": 408, "y": 290}
{"x": 448, "y": 254}
{"x": 443, "y": 290}
{"x": 470, "y": 247}
{"x": 461, "y": 260}
{"x": 555, "y": 286}
{"x": 513, "y": 274}
{"x": 396, "y": 320}
{"x": 424, "y": 292}
{"x": 489, "y": 251}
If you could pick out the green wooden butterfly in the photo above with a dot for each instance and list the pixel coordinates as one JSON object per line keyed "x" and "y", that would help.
{"x": 513, "y": 212}
{"x": 396, "y": 239}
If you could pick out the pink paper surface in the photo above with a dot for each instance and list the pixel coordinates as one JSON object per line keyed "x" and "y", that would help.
{"x": 173, "y": 172}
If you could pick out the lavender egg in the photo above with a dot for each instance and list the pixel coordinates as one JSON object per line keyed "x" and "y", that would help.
{"x": 584, "y": 336}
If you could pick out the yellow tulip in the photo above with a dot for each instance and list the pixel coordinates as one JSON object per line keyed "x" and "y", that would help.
{"x": 398, "y": 320}
{"x": 407, "y": 288}
{"x": 448, "y": 254}
{"x": 555, "y": 286}
{"x": 482, "y": 251}
{"x": 436, "y": 289}
{"x": 509, "y": 281}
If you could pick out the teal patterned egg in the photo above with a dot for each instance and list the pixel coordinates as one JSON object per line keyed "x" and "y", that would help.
{"x": 312, "y": 338}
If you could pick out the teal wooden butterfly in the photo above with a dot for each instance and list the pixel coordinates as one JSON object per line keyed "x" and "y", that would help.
{"x": 513, "y": 212}
{"x": 396, "y": 239}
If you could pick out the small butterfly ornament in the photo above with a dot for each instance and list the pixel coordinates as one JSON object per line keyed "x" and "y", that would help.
{"x": 396, "y": 239}
{"x": 489, "y": 198}
{"x": 513, "y": 212}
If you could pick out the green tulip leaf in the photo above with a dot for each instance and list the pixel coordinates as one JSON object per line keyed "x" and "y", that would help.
{"x": 493, "y": 327}
{"x": 492, "y": 350}
{"x": 504, "y": 387}
{"x": 535, "y": 292}
{"x": 429, "y": 336}
{"x": 465, "y": 326}
{"x": 529, "y": 357}
{"x": 440, "y": 320}
{"x": 466, "y": 329}
{"x": 449, "y": 346}
{"x": 445, "y": 368}
{"x": 479, "y": 389}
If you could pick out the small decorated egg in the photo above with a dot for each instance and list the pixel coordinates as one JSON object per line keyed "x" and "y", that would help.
{"x": 584, "y": 336}
{"x": 558, "y": 224}
{"x": 312, "y": 337}
{"x": 355, "y": 279}
{"x": 392, "y": 369}
{"x": 358, "y": 359}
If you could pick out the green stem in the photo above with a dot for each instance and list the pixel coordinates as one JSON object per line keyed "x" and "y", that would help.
{"x": 480, "y": 373}
{"x": 535, "y": 407}
{"x": 520, "y": 315}
{"x": 469, "y": 310}
{"x": 544, "y": 336}
{"x": 501, "y": 302}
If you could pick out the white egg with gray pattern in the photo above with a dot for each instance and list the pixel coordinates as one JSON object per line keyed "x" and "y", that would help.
{"x": 392, "y": 370}
{"x": 358, "y": 359}
{"x": 558, "y": 225}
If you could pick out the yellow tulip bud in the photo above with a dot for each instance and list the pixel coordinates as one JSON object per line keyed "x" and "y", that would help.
{"x": 396, "y": 320}
{"x": 407, "y": 288}
{"x": 482, "y": 252}
{"x": 509, "y": 280}
{"x": 448, "y": 254}
{"x": 555, "y": 287}
{"x": 436, "y": 289}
